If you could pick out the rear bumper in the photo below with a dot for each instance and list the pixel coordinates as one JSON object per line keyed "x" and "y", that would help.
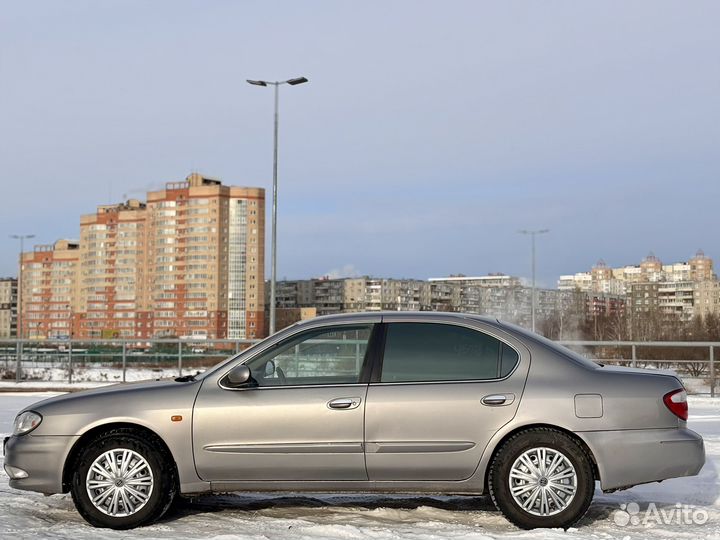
{"x": 41, "y": 457}
{"x": 637, "y": 456}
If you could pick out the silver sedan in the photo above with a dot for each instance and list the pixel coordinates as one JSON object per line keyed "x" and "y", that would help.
{"x": 382, "y": 402}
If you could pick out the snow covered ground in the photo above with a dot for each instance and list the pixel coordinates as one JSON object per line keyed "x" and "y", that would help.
{"x": 360, "y": 517}
{"x": 97, "y": 374}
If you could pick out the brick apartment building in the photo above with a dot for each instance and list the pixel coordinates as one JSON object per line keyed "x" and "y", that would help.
{"x": 189, "y": 262}
{"x": 8, "y": 307}
{"x": 49, "y": 290}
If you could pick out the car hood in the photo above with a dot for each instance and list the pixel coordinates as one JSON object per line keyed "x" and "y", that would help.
{"x": 125, "y": 393}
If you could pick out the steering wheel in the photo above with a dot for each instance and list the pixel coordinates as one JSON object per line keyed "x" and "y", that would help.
{"x": 281, "y": 376}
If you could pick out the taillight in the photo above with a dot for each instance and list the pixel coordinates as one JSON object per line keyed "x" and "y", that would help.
{"x": 676, "y": 401}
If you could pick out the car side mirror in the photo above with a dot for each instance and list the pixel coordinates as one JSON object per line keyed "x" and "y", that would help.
{"x": 240, "y": 376}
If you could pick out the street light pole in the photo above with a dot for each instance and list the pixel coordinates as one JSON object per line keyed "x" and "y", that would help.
{"x": 533, "y": 234}
{"x": 273, "y": 264}
{"x": 18, "y": 316}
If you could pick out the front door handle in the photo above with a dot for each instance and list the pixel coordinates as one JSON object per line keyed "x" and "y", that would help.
{"x": 497, "y": 400}
{"x": 344, "y": 403}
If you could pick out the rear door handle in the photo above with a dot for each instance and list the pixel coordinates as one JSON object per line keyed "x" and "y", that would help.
{"x": 497, "y": 400}
{"x": 344, "y": 403}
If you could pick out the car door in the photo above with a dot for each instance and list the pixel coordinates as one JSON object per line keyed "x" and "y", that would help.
{"x": 439, "y": 393}
{"x": 300, "y": 419}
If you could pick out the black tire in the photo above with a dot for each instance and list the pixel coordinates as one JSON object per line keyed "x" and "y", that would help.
{"x": 512, "y": 449}
{"x": 152, "y": 450}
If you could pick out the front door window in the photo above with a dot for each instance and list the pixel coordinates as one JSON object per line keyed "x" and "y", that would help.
{"x": 326, "y": 356}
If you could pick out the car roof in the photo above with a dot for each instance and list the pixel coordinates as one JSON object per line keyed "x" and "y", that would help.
{"x": 419, "y": 316}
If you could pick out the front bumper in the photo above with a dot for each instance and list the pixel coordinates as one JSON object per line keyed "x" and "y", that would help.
{"x": 42, "y": 457}
{"x": 638, "y": 456}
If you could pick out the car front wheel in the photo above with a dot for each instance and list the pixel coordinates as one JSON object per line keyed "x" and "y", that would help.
{"x": 542, "y": 478}
{"x": 122, "y": 481}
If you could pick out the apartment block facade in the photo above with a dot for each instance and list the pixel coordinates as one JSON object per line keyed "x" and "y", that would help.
{"x": 206, "y": 252}
{"x": 681, "y": 289}
{"x": 188, "y": 262}
{"x": 619, "y": 281}
{"x": 706, "y": 298}
{"x": 8, "y": 307}
{"x": 112, "y": 296}
{"x": 382, "y": 294}
{"x": 500, "y": 296}
{"x": 356, "y": 294}
{"x": 49, "y": 285}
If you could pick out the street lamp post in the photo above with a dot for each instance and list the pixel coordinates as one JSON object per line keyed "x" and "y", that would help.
{"x": 273, "y": 264}
{"x": 18, "y": 316}
{"x": 533, "y": 234}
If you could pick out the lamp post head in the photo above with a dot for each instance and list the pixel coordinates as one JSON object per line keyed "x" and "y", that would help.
{"x": 297, "y": 80}
{"x": 291, "y": 82}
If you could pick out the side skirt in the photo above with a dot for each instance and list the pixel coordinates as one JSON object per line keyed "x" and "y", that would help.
{"x": 444, "y": 488}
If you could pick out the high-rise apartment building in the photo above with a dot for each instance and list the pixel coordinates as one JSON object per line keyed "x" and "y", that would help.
{"x": 112, "y": 297}
{"x": 8, "y": 307}
{"x": 49, "y": 285}
{"x": 206, "y": 252}
{"x": 187, "y": 263}
{"x": 618, "y": 281}
{"x": 701, "y": 267}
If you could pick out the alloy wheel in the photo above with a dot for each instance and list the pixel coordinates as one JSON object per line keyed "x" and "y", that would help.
{"x": 119, "y": 482}
{"x": 543, "y": 481}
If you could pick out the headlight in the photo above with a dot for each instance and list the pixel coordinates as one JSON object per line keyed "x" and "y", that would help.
{"x": 26, "y": 422}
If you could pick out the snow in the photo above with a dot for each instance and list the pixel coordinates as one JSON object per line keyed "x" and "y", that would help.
{"x": 365, "y": 517}
{"x": 99, "y": 374}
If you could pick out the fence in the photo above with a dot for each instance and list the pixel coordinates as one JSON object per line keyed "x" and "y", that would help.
{"x": 693, "y": 361}
{"x": 118, "y": 360}
{"x": 110, "y": 360}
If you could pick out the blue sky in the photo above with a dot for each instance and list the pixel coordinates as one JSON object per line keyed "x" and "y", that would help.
{"x": 429, "y": 134}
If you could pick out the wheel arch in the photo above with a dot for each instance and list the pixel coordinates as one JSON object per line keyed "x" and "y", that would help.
{"x": 96, "y": 431}
{"x": 572, "y": 435}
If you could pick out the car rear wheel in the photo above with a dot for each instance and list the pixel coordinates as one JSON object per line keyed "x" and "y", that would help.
{"x": 542, "y": 478}
{"x": 122, "y": 481}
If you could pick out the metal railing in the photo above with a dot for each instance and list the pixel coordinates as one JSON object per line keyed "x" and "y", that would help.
{"x": 689, "y": 359}
{"x": 27, "y": 360}
{"x": 121, "y": 360}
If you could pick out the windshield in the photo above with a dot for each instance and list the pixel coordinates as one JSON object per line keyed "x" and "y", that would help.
{"x": 203, "y": 372}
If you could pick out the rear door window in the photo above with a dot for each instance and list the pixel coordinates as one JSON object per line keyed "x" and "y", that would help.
{"x": 425, "y": 352}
